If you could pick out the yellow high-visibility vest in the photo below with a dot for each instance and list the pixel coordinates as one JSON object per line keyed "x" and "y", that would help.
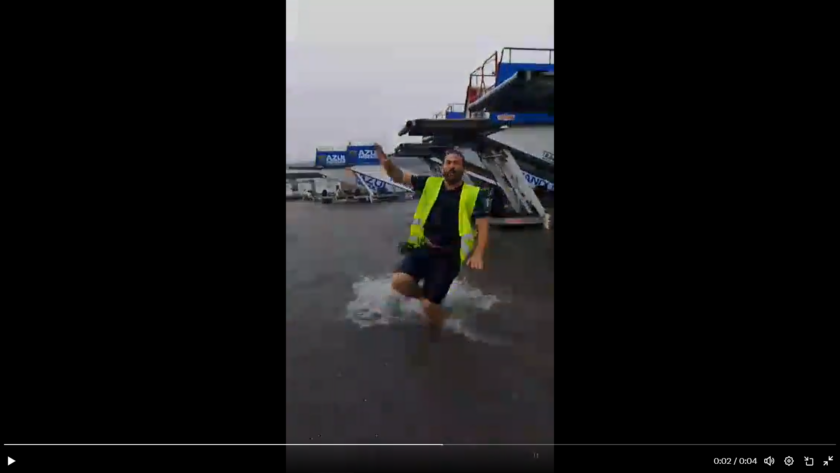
{"x": 469, "y": 195}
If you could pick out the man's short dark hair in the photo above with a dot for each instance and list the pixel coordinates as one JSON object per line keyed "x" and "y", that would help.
{"x": 456, "y": 153}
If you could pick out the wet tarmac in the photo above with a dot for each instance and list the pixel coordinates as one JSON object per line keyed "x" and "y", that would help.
{"x": 353, "y": 376}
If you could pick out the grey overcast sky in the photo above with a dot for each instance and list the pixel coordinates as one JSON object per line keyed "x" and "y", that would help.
{"x": 358, "y": 69}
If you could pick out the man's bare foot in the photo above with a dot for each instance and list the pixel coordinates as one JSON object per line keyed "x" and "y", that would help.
{"x": 435, "y": 318}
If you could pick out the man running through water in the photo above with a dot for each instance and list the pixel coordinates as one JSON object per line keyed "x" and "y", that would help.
{"x": 442, "y": 235}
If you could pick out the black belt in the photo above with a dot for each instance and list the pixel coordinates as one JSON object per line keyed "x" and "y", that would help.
{"x": 405, "y": 248}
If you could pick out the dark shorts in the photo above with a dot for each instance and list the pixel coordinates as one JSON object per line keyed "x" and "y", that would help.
{"x": 434, "y": 268}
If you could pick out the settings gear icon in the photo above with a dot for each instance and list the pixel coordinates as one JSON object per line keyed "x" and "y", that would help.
{"x": 788, "y": 461}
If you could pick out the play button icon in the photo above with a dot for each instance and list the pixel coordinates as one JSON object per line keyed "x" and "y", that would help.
{"x": 11, "y": 460}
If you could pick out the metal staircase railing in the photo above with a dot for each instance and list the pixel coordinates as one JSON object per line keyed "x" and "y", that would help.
{"x": 507, "y": 53}
{"x": 509, "y": 177}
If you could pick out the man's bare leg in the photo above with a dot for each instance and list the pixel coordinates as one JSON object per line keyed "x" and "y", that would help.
{"x": 406, "y": 285}
{"x": 436, "y": 315}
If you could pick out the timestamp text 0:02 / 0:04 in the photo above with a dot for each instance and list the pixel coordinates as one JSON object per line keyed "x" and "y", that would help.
{"x": 736, "y": 461}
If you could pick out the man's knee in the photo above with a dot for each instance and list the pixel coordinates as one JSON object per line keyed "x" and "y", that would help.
{"x": 403, "y": 283}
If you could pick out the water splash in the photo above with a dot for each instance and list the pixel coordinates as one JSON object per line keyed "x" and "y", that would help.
{"x": 376, "y": 305}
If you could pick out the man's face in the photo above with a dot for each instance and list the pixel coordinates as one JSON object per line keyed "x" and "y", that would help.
{"x": 453, "y": 168}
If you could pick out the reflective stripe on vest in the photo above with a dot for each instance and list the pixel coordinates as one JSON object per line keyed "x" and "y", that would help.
{"x": 469, "y": 195}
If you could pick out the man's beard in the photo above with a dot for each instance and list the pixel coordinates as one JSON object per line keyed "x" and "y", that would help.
{"x": 452, "y": 176}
